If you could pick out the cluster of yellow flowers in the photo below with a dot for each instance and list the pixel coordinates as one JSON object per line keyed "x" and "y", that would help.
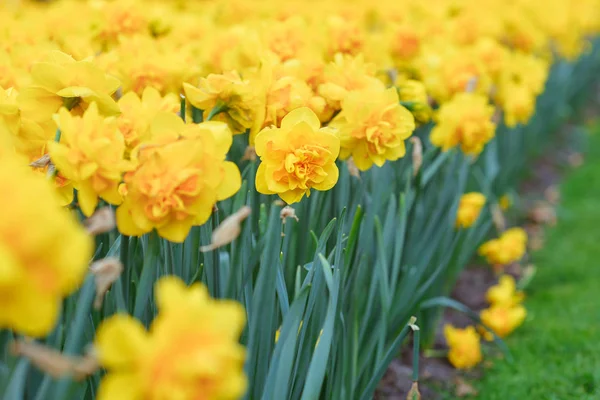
{"x": 506, "y": 312}
{"x": 359, "y": 76}
{"x": 504, "y": 315}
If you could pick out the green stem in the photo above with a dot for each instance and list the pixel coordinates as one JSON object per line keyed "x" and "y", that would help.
{"x": 217, "y": 109}
{"x": 416, "y": 345}
{"x": 182, "y": 108}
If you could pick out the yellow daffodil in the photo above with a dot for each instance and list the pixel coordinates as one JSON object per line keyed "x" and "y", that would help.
{"x": 508, "y": 248}
{"x": 504, "y": 293}
{"x": 465, "y": 346}
{"x": 465, "y": 121}
{"x": 346, "y": 74}
{"x": 502, "y": 319}
{"x": 61, "y": 81}
{"x": 90, "y": 154}
{"x": 235, "y": 96}
{"x": 297, "y": 157}
{"x": 138, "y": 113}
{"x": 190, "y": 352}
{"x": 179, "y": 176}
{"x": 373, "y": 127}
{"x": 44, "y": 252}
{"x": 469, "y": 208}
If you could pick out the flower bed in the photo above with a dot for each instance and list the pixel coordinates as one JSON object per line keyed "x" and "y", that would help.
{"x": 266, "y": 193}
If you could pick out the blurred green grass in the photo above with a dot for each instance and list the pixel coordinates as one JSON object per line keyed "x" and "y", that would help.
{"x": 557, "y": 350}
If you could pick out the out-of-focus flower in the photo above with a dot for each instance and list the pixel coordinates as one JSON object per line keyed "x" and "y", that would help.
{"x": 465, "y": 121}
{"x": 504, "y": 293}
{"x": 178, "y": 178}
{"x": 505, "y": 202}
{"x": 236, "y": 98}
{"x": 60, "y": 81}
{"x": 372, "y": 127}
{"x": 502, "y": 319}
{"x": 90, "y": 154}
{"x": 191, "y": 350}
{"x": 44, "y": 253}
{"x": 138, "y": 113}
{"x": 508, "y": 248}
{"x": 469, "y": 208}
{"x": 297, "y": 157}
{"x": 465, "y": 346}
{"x": 346, "y": 74}
{"x": 413, "y": 96}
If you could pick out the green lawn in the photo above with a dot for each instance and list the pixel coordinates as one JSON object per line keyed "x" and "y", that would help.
{"x": 557, "y": 350}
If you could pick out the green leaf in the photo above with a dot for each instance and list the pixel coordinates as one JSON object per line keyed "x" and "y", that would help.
{"x": 16, "y": 388}
{"x": 318, "y": 364}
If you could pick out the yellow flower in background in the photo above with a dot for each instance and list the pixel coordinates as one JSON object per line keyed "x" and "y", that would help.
{"x": 505, "y": 202}
{"x": 465, "y": 121}
{"x": 118, "y": 19}
{"x": 91, "y": 155}
{"x": 465, "y": 346}
{"x": 237, "y": 97}
{"x": 282, "y": 92}
{"x": 413, "y": 94}
{"x": 138, "y": 113}
{"x": 297, "y": 157}
{"x": 518, "y": 104}
{"x": 502, "y": 319}
{"x": 44, "y": 252}
{"x": 504, "y": 293}
{"x": 61, "y": 81}
{"x": 179, "y": 176}
{"x": 508, "y": 248}
{"x": 469, "y": 208}
{"x": 140, "y": 62}
{"x": 346, "y": 74}
{"x": 191, "y": 350}
{"x": 372, "y": 127}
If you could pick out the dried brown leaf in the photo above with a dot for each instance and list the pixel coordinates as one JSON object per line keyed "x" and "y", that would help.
{"x": 417, "y": 154}
{"x": 228, "y": 230}
{"x": 107, "y": 271}
{"x": 55, "y": 363}
{"x": 102, "y": 221}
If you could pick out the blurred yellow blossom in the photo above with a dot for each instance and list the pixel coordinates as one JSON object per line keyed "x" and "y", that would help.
{"x": 178, "y": 178}
{"x": 504, "y": 293}
{"x": 190, "y": 352}
{"x": 44, "y": 252}
{"x": 61, "y": 81}
{"x": 469, "y": 208}
{"x": 465, "y": 346}
{"x": 138, "y": 113}
{"x": 90, "y": 153}
{"x": 465, "y": 121}
{"x": 508, "y": 248}
{"x": 502, "y": 319}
